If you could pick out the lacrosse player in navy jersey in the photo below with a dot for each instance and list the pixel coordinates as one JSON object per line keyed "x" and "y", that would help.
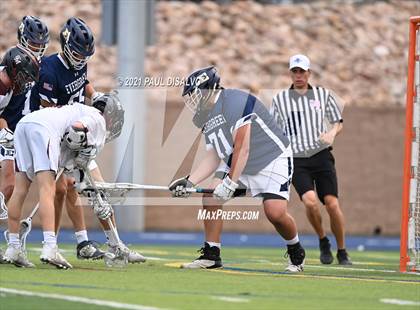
{"x": 63, "y": 80}
{"x": 248, "y": 151}
{"x": 17, "y": 69}
{"x": 33, "y": 36}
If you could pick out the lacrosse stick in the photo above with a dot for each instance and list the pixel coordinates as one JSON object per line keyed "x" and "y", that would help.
{"x": 26, "y": 224}
{"x": 121, "y": 189}
{"x": 120, "y": 258}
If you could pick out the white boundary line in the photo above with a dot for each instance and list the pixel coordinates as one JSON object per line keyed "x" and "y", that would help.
{"x": 399, "y": 302}
{"x": 112, "y": 304}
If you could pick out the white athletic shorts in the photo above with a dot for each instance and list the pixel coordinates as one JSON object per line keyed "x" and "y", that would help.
{"x": 275, "y": 178}
{"x": 36, "y": 149}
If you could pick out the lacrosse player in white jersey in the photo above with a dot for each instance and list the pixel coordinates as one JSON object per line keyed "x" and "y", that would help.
{"x": 84, "y": 130}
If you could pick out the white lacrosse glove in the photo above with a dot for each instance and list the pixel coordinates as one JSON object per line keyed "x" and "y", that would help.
{"x": 179, "y": 187}
{"x": 76, "y": 138}
{"x": 6, "y": 138}
{"x": 3, "y": 208}
{"x": 84, "y": 157}
{"x": 101, "y": 208}
{"x": 226, "y": 189}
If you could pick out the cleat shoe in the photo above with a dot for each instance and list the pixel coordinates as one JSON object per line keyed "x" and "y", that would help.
{"x": 15, "y": 255}
{"x": 50, "y": 255}
{"x": 210, "y": 259}
{"x": 89, "y": 250}
{"x": 343, "y": 257}
{"x": 132, "y": 256}
{"x": 326, "y": 256}
{"x": 296, "y": 255}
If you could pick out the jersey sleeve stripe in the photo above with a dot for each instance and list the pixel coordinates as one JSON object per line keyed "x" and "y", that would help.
{"x": 270, "y": 133}
{"x": 249, "y": 106}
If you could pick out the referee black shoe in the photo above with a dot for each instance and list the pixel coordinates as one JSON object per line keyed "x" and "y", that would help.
{"x": 209, "y": 259}
{"x": 343, "y": 257}
{"x": 326, "y": 256}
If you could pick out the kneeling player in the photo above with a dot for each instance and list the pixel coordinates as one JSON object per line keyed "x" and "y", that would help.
{"x": 239, "y": 131}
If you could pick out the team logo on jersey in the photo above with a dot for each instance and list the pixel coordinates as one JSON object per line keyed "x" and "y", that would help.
{"x": 66, "y": 35}
{"x": 315, "y": 104}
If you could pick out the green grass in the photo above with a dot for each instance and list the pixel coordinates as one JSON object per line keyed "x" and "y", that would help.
{"x": 253, "y": 278}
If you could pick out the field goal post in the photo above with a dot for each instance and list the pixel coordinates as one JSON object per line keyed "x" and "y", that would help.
{"x": 410, "y": 212}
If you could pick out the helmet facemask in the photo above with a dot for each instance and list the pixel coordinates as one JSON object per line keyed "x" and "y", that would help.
{"x": 21, "y": 82}
{"x": 75, "y": 60}
{"x": 199, "y": 103}
{"x": 38, "y": 50}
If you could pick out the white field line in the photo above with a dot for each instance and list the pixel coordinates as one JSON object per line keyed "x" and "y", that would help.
{"x": 399, "y": 302}
{"x": 111, "y": 304}
{"x": 230, "y": 299}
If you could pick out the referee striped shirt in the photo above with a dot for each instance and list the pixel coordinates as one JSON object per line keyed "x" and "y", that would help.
{"x": 304, "y": 117}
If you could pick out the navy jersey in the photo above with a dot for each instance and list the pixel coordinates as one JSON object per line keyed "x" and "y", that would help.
{"x": 58, "y": 84}
{"x": 18, "y": 107}
{"x": 236, "y": 108}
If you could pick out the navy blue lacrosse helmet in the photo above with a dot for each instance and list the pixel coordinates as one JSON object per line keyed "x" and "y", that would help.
{"x": 199, "y": 87}
{"x": 77, "y": 42}
{"x": 33, "y": 35}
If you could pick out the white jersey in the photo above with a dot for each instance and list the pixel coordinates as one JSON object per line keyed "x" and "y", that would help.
{"x": 58, "y": 119}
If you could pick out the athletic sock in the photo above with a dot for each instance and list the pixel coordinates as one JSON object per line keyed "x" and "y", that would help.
{"x": 216, "y": 244}
{"x": 293, "y": 241}
{"x": 50, "y": 240}
{"x": 81, "y": 236}
{"x": 14, "y": 240}
{"x": 112, "y": 240}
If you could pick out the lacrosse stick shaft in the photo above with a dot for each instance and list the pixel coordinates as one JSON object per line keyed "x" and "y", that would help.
{"x": 131, "y": 186}
{"x": 99, "y": 197}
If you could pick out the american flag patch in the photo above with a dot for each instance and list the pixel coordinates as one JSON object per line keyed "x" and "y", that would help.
{"x": 47, "y": 86}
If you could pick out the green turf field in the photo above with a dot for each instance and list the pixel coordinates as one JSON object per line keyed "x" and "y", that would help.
{"x": 253, "y": 278}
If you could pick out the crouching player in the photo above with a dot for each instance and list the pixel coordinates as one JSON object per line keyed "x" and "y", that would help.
{"x": 37, "y": 142}
{"x": 239, "y": 131}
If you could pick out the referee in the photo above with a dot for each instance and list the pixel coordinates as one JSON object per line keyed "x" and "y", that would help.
{"x": 311, "y": 118}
